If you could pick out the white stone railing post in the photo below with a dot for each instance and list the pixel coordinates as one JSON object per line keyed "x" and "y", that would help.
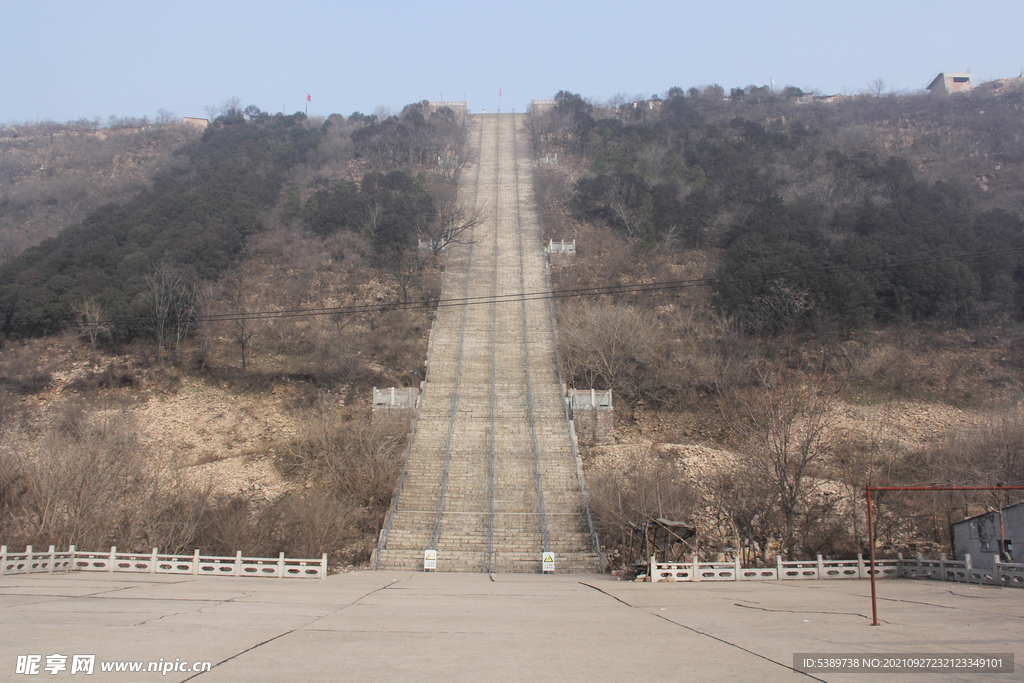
{"x": 113, "y": 558}
{"x": 967, "y": 566}
{"x": 737, "y": 568}
{"x": 195, "y": 562}
{"x": 821, "y": 568}
{"x": 53, "y": 557}
{"x": 280, "y": 565}
{"x": 778, "y": 566}
{"x": 3, "y": 560}
{"x": 28, "y": 559}
{"x": 323, "y": 565}
{"x": 695, "y": 573}
{"x": 152, "y": 562}
{"x": 238, "y": 563}
{"x": 860, "y": 566}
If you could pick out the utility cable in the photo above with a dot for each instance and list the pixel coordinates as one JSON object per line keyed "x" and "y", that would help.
{"x": 561, "y": 293}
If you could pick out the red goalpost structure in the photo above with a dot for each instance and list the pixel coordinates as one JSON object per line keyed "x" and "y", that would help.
{"x": 871, "y": 522}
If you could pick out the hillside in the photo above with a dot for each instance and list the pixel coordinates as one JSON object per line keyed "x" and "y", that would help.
{"x": 52, "y": 176}
{"x": 141, "y": 327}
{"x": 810, "y": 245}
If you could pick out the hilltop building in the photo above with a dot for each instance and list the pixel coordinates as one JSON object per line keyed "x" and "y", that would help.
{"x": 457, "y": 106}
{"x": 948, "y": 82}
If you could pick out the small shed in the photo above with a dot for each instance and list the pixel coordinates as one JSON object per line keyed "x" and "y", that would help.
{"x": 984, "y": 535}
{"x": 948, "y": 82}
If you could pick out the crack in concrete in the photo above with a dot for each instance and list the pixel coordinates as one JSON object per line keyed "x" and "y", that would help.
{"x": 975, "y": 597}
{"x": 932, "y": 604}
{"x": 146, "y": 621}
{"x": 702, "y": 633}
{"x": 795, "y": 611}
{"x": 290, "y": 631}
{"x": 224, "y": 602}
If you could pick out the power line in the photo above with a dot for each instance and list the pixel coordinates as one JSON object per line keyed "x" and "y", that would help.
{"x": 605, "y": 290}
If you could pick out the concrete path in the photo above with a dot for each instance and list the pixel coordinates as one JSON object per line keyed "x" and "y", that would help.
{"x": 404, "y": 626}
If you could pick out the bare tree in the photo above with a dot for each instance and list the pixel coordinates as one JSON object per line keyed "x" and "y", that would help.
{"x": 243, "y": 296}
{"x": 783, "y": 425}
{"x": 622, "y": 203}
{"x": 452, "y": 223}
{"x": 356, "y": 460}
{"x": 89, "y": 317}
{"x": 781, "y": 309}
{"x": 81, "y": 478}
{"x": 213, "y": 111}
{"x": 171, "y": 305}
{"x": 636, "y": 486}
{"x": 866, "y": 459}
{"x": 405, "y": 268}
{"x": 165, "y": 117}
{"x": 877, "y": 87}
{"x": 614, "y": 347}
{"x": 747, "y": 501}
{"x": 159, "y": 286}
{"x": 232, "y": 106}
{"x": 204, "y": 296}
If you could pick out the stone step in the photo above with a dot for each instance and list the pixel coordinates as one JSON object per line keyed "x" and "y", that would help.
{"x": 493, "y": 356}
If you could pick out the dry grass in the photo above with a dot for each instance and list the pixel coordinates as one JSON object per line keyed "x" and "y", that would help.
{"x": 630, "y": 487}
{"x": 87, "y": 477}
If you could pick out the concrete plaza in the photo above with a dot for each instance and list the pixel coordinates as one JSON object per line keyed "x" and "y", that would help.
{"x": 407, "y": 626}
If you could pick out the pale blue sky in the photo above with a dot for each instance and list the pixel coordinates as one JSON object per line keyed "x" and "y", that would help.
{"x": 65, "y": 60}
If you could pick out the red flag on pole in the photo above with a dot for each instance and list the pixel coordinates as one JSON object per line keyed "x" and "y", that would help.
{"x": 499, "y": 92}
{"x": 308, "y": 98}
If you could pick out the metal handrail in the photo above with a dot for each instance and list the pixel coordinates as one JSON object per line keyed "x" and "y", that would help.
{"x": 393, "y": 509}
{"x": 526, "y": 352}
{"x": 490, "y": 561}
{"x": 458, "y": 368}
{"x": 386, "y": 530}
{"x": 565, "y": 407}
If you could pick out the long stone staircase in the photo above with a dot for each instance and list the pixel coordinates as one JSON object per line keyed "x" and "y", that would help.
{"x": 491, "y": 478}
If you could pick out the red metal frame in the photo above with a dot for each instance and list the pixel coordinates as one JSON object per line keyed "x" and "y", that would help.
{"x": 871, "y": 521}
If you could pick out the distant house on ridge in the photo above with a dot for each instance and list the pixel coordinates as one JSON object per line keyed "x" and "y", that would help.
{"x": 948, "y": 82}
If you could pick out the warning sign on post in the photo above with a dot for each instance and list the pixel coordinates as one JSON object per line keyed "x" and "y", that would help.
{"x": 547, "y": 562}
{"x": 430, "y": 560}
